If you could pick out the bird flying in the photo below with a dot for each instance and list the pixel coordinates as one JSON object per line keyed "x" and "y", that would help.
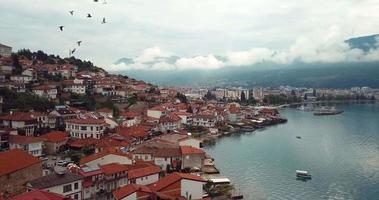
{"x": 79, "y": 42}
{"x": 71, "y": 12}
{"x": 89, "y": 15}
{"x": 103, "y": 22}
{"x": 61, "y": 28}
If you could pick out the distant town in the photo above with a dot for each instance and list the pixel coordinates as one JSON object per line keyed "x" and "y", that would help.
{"x": 70, "y": 130}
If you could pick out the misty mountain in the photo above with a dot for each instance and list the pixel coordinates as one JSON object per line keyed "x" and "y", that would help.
{"x": 299, "y": 74}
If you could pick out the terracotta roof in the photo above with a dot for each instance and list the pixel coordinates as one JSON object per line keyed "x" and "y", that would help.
{"x": 145, "y": 171}
{"x": 54, "y": 179}
{"x": 138, "y": 131}
{"x": 113, "y": 168}
{"x": 18, "y": 116}
{"x": 55, "y": 136}
{"x": 18, "y": 139}
{"x": 182, "y": 113}
{"x": 159, "y": 108}
{"x": 129, "y": 114}
{"x": 15, "y": 160}
{"x": 86, "y": 121}
{"x": 169, "y": 119}
{"x": 191, "y": 150}
{"x": 105, "y": 110}
{"x": 173, "y": 178}
{"x": 40, "y": 195}
{"x": 79, "y": 143}
{"x": 104, "y": 153}
{"x": 109, "y": 142}
{"x": 127, "y": 190}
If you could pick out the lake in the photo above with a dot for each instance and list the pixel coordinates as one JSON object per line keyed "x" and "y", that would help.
{"x": 340, "y": 151}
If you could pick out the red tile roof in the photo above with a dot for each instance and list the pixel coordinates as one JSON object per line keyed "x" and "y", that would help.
{"x": 127, "y": 190}
{"x": 79, "y": 143}
{"x": 138, "y": 131}
{"x": 142, "y": 172}
{"x": 18, "y": 139}
{"x": 109, "y": 142}
{"x": 113, "y": 168}
{"x": 129, "y": 114}
{"x": 18, "y": 116}
{"x": 40, "y": 195}
{"x": 104, "y": 153}
{"x": 15, "y": 160}
{"x": 173, "y": 178}
{"x": 158, "y": 108}
{"x": 191, "y": 150}
{"x": 86, "y": 121}
{"x": 55, "y": 136}
{"x": 105, "y": 110}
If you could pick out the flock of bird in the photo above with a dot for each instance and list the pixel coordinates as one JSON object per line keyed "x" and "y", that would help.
{"x": 72, "y": 51}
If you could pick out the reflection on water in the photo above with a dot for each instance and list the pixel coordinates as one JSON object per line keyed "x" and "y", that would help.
{"x": 341, "y": 152}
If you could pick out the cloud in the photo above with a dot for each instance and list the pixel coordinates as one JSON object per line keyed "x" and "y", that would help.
{"x": 320, "y": 46}
{"x": 199, "y": 62}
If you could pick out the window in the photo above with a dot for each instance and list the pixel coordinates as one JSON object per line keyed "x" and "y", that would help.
{"x": 146, "y": 157}
{"x": 67, "y": 188}
{"x": 83, "y": 128}
{"x": 76, "y": 186}
{"x": 76, "y": 196}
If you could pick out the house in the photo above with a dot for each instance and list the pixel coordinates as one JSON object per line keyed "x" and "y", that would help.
{"x": 32, "y": 145}
{"x": 20, "y": 120}
{"x": 192, "y": 158}
{"x": 207, "y": 121}
{"x": 42, "y": 119}
{"x": 64, "y": 183}
{"x": 54, "y": 141}
{"x": 74, "y": 86}
{"x": 21, "y": 78}
{"x": 181, "y": 139}
{"x": 156, "y": 112}
{"x": 83, "y": 128}
{"x": 58, "y": 116}
{"x": 144, "y": 175}
{"x": 132, "y": 192}
{"x": 108, "y": 142}
{"x": 163, "y": 156}
{"x": 46, "y": 91}
{"x": 105, "y": 112}
{"x": 179, "y": 185}
{"x": 169, "y": 122}
{"x": 107, "y": 157}
{"x": 30, "y": 72}
{"x": 130, "y": 118}
{"x": 186, "y": 118}
{"x": 5, "y": 50}
{"x": 137, "y": 133}
{"x": 40, "y": 195}
{"x": 20, "y": 168}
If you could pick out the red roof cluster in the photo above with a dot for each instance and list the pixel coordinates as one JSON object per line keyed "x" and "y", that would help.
{"x": 130, "y": 189}
{"x": 186, "y": 150}
{"x": 138, "y": 131}
{"x": 18, "y": 139}
{"x": 18, "y": 116}
{"x": 113, "y": 168}
{"x": 40, "y": 195}
{"x": 142, "y": 172}
{"x": 104, "y": 153}
{"x": 173, "y": 178}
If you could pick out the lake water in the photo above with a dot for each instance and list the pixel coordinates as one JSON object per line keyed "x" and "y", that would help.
{"x": 341, "y": 152}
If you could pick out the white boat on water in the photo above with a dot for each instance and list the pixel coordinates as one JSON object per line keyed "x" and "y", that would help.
{"x": 303, "y": 174}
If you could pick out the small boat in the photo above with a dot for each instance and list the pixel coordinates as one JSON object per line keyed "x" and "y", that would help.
{"x": 303, "y": 174}
{"x": 298, "y": 137}
{"x": 327, "y": 111}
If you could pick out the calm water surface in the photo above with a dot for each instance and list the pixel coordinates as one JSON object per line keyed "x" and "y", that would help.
{"x": 341, "y": 152}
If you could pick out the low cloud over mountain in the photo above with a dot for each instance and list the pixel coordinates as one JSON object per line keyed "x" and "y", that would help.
{"x": 319, "y": 47}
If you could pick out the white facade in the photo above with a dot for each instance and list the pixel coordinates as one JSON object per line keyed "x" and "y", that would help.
{"x": 191, "y": 189}
{"x": 34, "y": 149}
{"x": 192, "y": 142}
{"x": 154, "y": 113}
{"x": 21, "y": 78}
{"x": 146, "y": 180}
{"x": 85, "y": 130}
{"x": 76, "y": 88}
{"x": 50, "y": 94}
{"x": 75, "y": 192}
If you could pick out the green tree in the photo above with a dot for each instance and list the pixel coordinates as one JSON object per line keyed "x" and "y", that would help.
{"x": 243, "y": 96}
{"x": 182, "y": 98}
{"x": 16, "y": 64}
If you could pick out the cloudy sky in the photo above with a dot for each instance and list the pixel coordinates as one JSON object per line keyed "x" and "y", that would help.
{"x": 243, "y": 32}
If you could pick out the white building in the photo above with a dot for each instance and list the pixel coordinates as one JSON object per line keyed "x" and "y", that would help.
{"x": 65, "y": 183}
{"x": 32, "y": 145}
{"x": 46, "y": 91}
{"x": 5, "y": 50}
{"x": 21, "y": 78}
{"x": 84, "y": 128}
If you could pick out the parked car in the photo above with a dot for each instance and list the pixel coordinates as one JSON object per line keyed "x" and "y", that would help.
{"x": 61, "y": 163}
